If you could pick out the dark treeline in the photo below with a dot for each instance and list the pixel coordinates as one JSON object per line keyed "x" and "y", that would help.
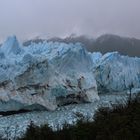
{"x": 122, "y": 122}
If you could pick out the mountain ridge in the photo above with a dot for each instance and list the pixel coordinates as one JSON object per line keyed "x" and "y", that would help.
{"x": 104, "y": 43}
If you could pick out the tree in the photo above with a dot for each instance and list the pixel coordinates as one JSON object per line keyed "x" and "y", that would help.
{"x": 131, "y": 86}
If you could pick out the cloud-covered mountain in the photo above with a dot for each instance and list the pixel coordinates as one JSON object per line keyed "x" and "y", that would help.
{"x": 110, "y": 43}
{"x": 105, "y": 43}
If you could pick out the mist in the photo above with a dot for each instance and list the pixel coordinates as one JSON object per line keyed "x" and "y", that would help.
{"x": 48, "y": 18}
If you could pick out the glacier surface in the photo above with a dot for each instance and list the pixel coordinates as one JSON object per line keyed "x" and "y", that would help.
{"x": 45, "y": 75}
{"x": 51, "y": 74}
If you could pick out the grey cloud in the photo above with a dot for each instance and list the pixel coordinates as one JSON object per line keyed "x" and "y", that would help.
{"x": 27, "y": 18}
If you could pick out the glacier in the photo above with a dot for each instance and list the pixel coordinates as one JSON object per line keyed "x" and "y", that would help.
{"x": 16, "y": 125}
{"x": 47, "y": 75}
{"x": 116, "y": 73}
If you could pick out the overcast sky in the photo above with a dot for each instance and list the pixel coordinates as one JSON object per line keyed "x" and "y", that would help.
{"x": 30, "y": 18}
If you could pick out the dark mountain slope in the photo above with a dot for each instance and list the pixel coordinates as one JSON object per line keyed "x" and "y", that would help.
{"x": 105, "y": 43}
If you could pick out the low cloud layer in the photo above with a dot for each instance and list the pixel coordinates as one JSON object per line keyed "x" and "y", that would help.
{"x": 29, "y": 18}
